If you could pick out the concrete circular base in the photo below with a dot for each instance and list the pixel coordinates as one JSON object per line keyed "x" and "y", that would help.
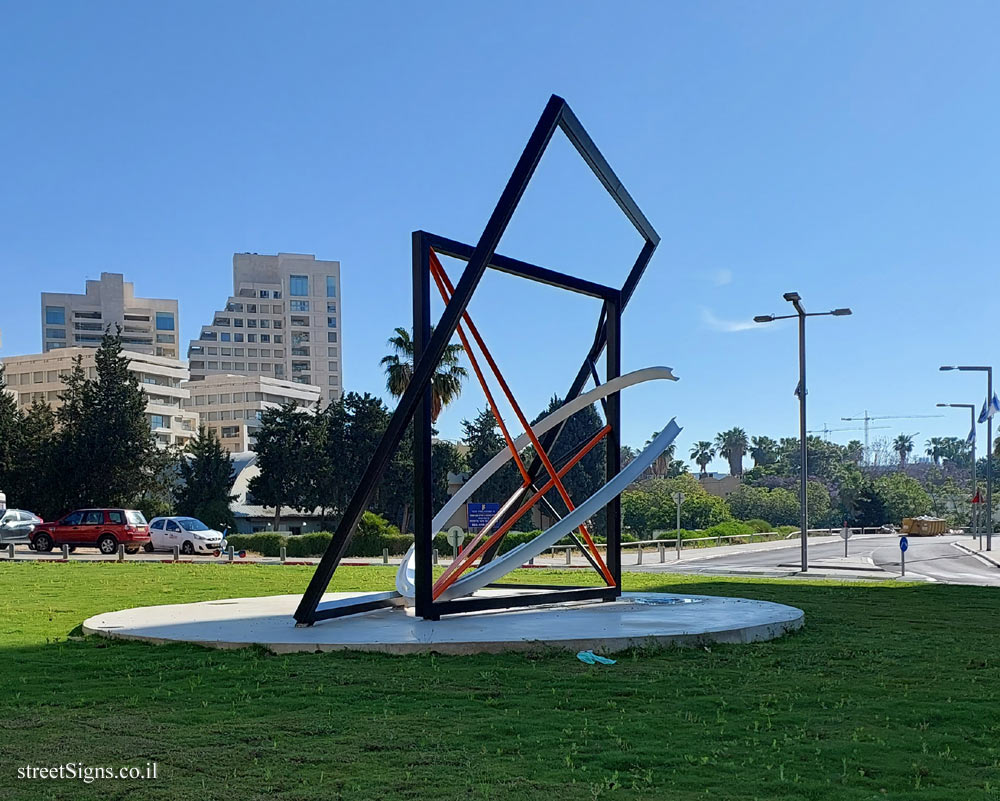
{"x": 636, "y": 619}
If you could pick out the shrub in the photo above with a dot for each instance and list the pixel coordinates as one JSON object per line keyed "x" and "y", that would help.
{"x": 759, "y": 526}
{"x": 730, "y": 528}
{"x": 373, "y": 534}
{"x": 787, "y": 529}
{"x": 313, "y": 544}
{"x": 266, "y": 543}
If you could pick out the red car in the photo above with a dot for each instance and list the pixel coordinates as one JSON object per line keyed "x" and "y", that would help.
{"x": 103, "y": 529}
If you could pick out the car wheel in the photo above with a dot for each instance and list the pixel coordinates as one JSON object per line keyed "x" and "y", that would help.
{"x": 148, "y": 547}
{"x": 187, "y": 547}
{"x": 107, "y": 544}
{"x": 42, "y": 542}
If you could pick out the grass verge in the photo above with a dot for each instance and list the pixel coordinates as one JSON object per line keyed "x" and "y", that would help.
{"x": 888, "y": 692}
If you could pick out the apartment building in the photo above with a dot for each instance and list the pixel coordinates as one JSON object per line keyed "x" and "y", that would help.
{"x": 231, "y": 405}
{"x": 37, "y": 377}
{"x": 149, "y": 325}
{"x": 283, "y": 321}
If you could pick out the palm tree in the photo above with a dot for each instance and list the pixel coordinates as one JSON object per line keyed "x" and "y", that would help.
{"x": 903, "y": 445}
{"x": 763, "y": 450}
{"x": 855, "y": 451}
{"x": 703, "y": 453}
{"x": 661, "y": 466}
{"x": 935, "y": 449}
{"x": 446, "y": 385}
{"x": 731, "y": 445}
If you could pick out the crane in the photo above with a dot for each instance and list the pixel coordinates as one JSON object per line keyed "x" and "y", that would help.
{"x": 827, "y": 430}
{"x": 868, "y": 418}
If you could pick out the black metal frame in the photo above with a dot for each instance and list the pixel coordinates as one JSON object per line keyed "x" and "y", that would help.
{"x": 414, "y": 404}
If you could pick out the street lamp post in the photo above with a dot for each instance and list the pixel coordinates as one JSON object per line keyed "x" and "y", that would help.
{"x": 800, "y": 312}
{"x": 988, "y": 369}
{"x": 972, "y": 415}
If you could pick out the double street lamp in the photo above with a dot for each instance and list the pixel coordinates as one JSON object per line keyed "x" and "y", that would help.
{"x": 989, "y": 443}
{"x": 972, "y": 415}
{"x": 800, "y": 312}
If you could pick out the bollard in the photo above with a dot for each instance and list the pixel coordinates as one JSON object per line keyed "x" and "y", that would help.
{"x": 121, "y": 553}
{"x": 434, "y": 556}
{"x": 65, "y": 550}
{"x": 677, "y": 543}
{"x": 231, "y": 550}
{"x": 385, "y": 556}
{"x": 569, "y": 556}
{"x": 719, "y": 540}
{"x": 663, "y": 553}
{"x": 282, "y": 553}
{"x": 638, "y": 555}
{"x": 177, "y": 553}
{"x": 10, "y": 550}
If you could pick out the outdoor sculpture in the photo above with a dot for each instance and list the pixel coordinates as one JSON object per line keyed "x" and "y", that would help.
{"x": 453, "y": 591}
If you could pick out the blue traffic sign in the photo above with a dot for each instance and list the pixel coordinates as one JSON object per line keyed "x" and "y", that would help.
{"x": 480, "y": 515}
{"x": 904, "y": 543}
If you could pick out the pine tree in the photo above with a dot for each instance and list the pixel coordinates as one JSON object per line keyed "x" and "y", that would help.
{"x": 10, "y": 436}
{"x": 206, "y": 480}
{"x": 282, "y": 439}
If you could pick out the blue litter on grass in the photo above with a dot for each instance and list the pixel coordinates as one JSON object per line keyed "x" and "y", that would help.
{"x": 590, "y": 658}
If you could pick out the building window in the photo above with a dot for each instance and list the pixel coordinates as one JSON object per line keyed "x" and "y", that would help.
{"x": 167, "y": 339}
{"x": 234, "y": 307}
{"x": 277, "y": 309}
{"x": 302, "y": 350}
{"x": 331, "y": 336}
{"x": 300, "y": 367}
{"x": 237, "y": 322}
{"x": 276, "y": 294}
{"x": 333, "y": 368}
{"x": 331, "y": 286}
{"x": 331, "y": 308}
{"x": 331, "y": 322}
{"x": 213, "y": 365}
{"x": 209, "y": 336}
{"x": 213, "y": 351}
{"x": 158, "y": 421}
{"x": 230, "y": 432}
{"x": 267, "y": 338}
{"x": 264, "y": 293}
{"x": 224, "y": 336}
{"x": 252, "y": 367}
{"x": 277, "y": 339}
{"x": 251, "y": 337}
{"x": 251, "y": 308}
{"x": 298, "y": 305}
{"x": 229, "y": 352}
{"x": 300, "y": 321}
{"x": 333, "y": 381}
{"x": 252, "y": 323}
{"x": 298, "y": 285}
{"x": 55, "y": 315}
{"x": 298, "y": 337}
{"x": 164, "y": 321}
{"x": 221, "y": 322}
{"x": 55, "y": 333}
{"x": 237, "y": 337}
{"x": 237, "y": 351}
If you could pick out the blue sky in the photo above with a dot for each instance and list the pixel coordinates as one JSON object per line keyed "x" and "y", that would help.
{"x": 847, "y": 151}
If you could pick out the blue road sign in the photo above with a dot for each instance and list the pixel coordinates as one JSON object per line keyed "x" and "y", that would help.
{"x": 903, "y": 544}
{"x": 480, "y": 515}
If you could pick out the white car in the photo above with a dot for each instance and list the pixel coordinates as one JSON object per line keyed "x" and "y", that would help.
{"x": 189, "y": 534}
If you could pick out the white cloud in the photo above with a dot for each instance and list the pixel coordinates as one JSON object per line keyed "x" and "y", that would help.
{"x": 726, "y": 326}
{"x": 722, "y": 277}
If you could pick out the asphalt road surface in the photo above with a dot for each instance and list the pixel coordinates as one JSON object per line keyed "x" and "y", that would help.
{"x": 934, "y": 558}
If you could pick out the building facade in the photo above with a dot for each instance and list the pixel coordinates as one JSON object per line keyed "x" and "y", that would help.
{"x": 149, "y": 325}
{"x": 283, "y": 321}
{"x": 37, "y": 377}
{"x": 231, "y": 405}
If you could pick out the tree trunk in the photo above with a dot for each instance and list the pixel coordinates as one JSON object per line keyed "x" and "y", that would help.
{"x": 277, "y": 517}
{"x": 406, "y": 518}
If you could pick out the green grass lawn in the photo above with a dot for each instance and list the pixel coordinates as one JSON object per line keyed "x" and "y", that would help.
{"x": 889, "y": 691}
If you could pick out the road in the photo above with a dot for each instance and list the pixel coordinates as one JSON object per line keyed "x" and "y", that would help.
{"x": 875, "y": 556}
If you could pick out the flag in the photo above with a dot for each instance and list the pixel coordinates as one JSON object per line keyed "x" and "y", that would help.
{"x": 971, "y": 439}
{"x": 990, "y": 408}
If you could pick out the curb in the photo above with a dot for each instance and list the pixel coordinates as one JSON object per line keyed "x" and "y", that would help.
{"x": 979, "y": 554}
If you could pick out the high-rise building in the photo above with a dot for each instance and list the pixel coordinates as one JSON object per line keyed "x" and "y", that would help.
{"x": 282, "y": 321}
{"x": 231, "y": 405}
{"x": 149, "y": 325}
{"x": 38, "y": 377}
